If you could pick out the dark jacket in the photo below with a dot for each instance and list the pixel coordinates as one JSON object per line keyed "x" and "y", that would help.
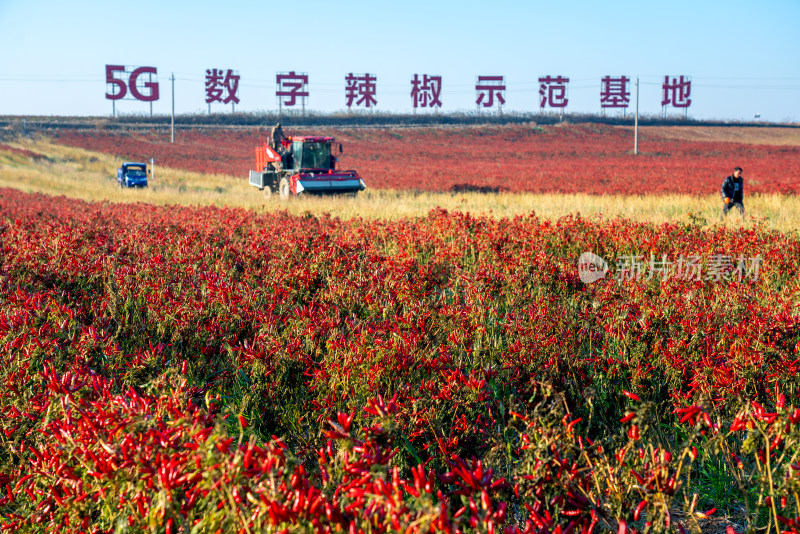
{"x": 277, "y": 137}
{"x": 733, "y": 188}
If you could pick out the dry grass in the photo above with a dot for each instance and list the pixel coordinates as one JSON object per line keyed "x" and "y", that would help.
{"x": 766, "y": 135}
{"x": 90, "y": 176}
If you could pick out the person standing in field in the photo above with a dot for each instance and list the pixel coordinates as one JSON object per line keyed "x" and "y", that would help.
{"x": 733, "y": 193}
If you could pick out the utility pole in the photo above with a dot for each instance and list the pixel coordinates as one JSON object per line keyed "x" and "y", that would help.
{"x": 172, "y": 139}
{"x": 636, "y": 122}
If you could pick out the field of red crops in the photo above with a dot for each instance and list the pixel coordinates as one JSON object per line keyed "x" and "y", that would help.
{"x": 592, "y": 159}
{"x": 171, "y": 369}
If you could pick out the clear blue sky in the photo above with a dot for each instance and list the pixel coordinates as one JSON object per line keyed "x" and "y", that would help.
{"x": 743, "y": 57}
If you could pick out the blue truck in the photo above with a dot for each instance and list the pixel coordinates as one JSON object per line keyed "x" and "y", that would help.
{"x": 132, "y": 174}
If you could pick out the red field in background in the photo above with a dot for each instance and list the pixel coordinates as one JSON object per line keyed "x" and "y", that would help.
{"x": 595, "y": 159}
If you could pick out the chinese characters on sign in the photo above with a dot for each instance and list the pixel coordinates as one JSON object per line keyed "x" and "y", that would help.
{"x": 676, "y": 92}
{"x": 219, "y": 83}
{"x": 360, "y": 89}
{"x": 291, "y": 86}
{"x": 222, "y": 86}
{"x": 614, "y": 92}
{"x": 425, "y": 93}
{"x": 489, "y": 87}
{"x": 553, "y": 92}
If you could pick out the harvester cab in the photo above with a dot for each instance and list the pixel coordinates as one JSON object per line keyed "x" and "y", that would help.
{"x": 304, "y": 164}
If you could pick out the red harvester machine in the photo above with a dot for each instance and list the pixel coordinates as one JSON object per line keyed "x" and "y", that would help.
{"x": 305, "y": 165}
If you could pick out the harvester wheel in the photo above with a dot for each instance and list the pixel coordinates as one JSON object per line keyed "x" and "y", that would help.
{"x": 283, "y": 189}
{"x": 268, "y": 192}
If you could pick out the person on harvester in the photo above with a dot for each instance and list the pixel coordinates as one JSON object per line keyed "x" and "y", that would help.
{"x": 277, "y": 138}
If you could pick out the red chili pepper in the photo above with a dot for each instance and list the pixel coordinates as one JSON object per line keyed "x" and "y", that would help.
{"x": 707, "y": 420}
{"x": 486, "y": 502}
{"x": 632, "y": 396}
{"x": 638, "y": 510}
{"x": 572, "y": 424}
{"x": 628, "y": 417}
{"x": 21, "y": 481}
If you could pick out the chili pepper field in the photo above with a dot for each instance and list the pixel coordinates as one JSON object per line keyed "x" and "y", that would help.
{"x": 571, "y": 158}
{"x": 177, "y": 369}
